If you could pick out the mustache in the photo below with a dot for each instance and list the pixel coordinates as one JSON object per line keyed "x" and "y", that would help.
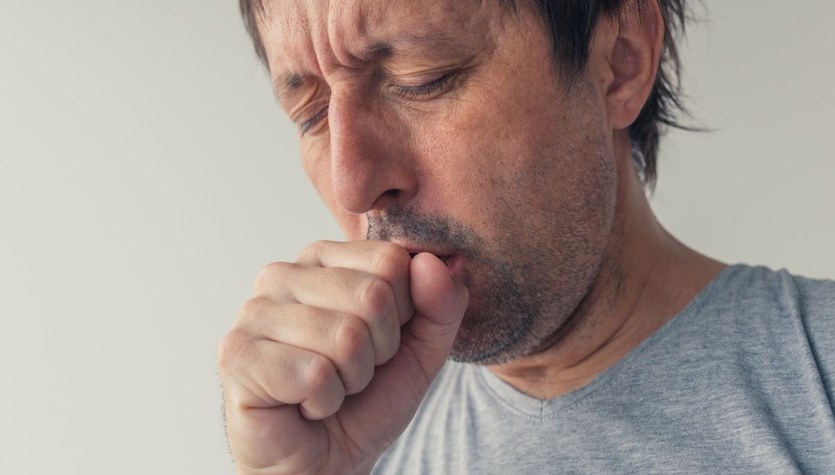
{"x": 412, "y": 225}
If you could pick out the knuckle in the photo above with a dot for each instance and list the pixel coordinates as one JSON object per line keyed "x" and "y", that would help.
{"x": 391, "y": 261}
{"x": 271, "y": 274}
{"x": 376, "y": 299}
{"x": 319, "y": 373}
{"x": 352, "y": 340}
{"x": 230, "y": 350}
{"x": 313, "y": 250}
{"x": 252, "y": 309}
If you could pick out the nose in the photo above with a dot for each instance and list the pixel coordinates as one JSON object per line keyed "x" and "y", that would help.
{"x": 371, "y": 167}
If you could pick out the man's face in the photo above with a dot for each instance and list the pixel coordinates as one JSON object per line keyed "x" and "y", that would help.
{"x": 442, "y": 125}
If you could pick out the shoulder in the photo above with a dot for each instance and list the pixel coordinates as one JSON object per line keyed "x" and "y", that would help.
{"x": 809, "y": 301}
{"x": 813, "y": 302}
{"x": 761, "y": 289}
{"x": 792, "y": 309}
{"x": 815, "y": 297}
{"x": 757, "y": 310}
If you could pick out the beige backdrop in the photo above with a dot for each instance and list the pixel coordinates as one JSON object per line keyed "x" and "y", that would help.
{"x": 146, "y": 176}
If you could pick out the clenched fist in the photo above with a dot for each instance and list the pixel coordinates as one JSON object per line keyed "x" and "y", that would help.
{"x": 328, "y": 362}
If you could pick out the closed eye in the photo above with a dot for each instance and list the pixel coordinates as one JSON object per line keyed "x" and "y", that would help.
{"x": 305, "y": 126}
{"x": 422, "y": 92}
{"x": 428, "y": 90}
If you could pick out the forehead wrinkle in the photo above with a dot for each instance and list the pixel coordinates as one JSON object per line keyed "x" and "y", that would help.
{"x": 290, "y": 38}
{"x": 362, "y": 32}
{"x": 315, "y": 38}
{"x": 435, "y": 40}
{"x": 348, "y": 31}
{"x": 308, "y": 43}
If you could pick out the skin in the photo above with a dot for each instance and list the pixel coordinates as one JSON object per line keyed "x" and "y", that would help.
{"x": 558, "y": 266}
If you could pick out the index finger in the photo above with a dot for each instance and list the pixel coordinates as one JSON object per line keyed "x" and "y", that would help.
{"x": 381, "y": 258}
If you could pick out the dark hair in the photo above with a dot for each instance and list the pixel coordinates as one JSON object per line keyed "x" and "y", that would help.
{"x": 571, "y": 25}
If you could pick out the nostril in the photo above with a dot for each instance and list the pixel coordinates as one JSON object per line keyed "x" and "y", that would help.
{"x": 387, "y": 199}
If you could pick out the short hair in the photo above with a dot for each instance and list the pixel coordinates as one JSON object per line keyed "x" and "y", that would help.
{"x": 571, "y": 24}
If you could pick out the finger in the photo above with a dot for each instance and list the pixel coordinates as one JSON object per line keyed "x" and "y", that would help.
{"x": 399, "y": 386}
{"x": 342, "y": 337}
{"x": 365, "y": 295}
{"x": 440, "y": 303}
{"x": 264, "y": 374}
{"x": 382, "y": 258}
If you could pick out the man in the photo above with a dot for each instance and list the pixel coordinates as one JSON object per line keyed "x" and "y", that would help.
{"x": 487, "y": 161}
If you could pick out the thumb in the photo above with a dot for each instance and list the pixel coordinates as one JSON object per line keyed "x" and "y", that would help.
{"x": 440, "y": 302}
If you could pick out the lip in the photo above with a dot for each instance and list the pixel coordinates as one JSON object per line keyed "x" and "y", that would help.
{"x": 454, "y": 263}
{"x": 444, "y": 254}
{"x": 445, "y": 258}
{"x": 449, "y": 257}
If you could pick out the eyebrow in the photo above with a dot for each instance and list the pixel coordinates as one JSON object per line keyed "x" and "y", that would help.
{"x": 287, "y": 84}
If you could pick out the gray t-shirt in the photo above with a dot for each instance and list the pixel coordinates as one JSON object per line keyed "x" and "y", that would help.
{"x": 741, "y": 381}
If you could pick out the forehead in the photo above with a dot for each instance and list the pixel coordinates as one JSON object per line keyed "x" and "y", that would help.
{"x": 304, "y": 37}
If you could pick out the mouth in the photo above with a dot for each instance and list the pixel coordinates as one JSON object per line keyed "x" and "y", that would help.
{"x": 444, "y": 258}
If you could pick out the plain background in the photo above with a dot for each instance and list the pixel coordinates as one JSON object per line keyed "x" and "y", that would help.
{"x": 146, "y": 176}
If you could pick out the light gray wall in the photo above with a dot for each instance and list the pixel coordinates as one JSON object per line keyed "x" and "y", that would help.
{"x": 760, "y": 188}
{"x": 146, "y": 176}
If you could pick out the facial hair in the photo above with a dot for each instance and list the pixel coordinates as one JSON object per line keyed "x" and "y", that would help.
{"x": 551, "y": 218}
{"x": 505, "y": 299}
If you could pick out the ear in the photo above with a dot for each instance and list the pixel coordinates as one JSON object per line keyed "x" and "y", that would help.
{"x": 628, "y": 51}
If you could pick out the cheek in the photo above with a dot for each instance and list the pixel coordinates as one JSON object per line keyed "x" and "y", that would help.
{"x": 317, "y": 168}
{"x": 558, "y": 184}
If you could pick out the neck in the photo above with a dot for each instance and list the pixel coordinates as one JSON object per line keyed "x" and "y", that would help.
{"x": 646, "y": 278}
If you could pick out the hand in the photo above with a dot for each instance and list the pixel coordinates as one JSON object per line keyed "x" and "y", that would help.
{"x": 328, "y": 363}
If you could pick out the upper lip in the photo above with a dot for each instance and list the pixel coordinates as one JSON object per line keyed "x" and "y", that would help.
{"x": 415, "y": 249}
{"x": 443, "y": 257}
